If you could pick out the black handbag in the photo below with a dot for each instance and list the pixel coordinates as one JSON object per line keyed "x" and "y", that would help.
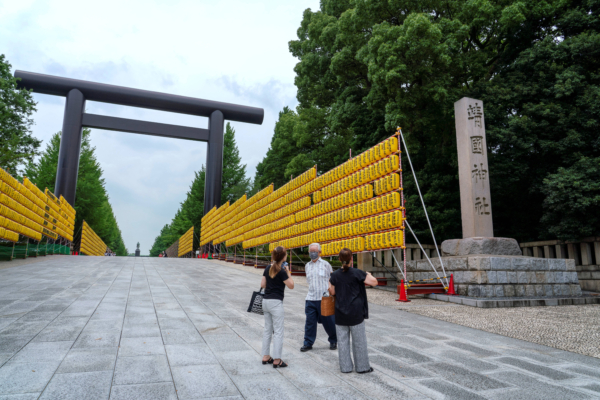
{"x": 256, "y": 302}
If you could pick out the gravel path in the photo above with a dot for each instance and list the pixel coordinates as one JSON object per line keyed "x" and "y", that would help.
{"x": 570, "y": 328}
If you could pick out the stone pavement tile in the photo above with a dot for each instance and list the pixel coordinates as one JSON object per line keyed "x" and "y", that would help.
{"x": 532, "y": 355}
{"x": 105, "y": 325}
{"x": 334, "y": 393}
{"x": 4, "y": 322}
{"x": 25, "y": 377}
{"x": 142, "y": 369}
{"x": 141, "y": 330}
{"x": 592, "y": 372}
{"x": 306, "y": 374}
{"x": 190, "y": 354}
{"x": 577, "y": 358}
{"x": 473, "y": 363}
{"x": 104, "y": 315}
{"x": 464, "y": 377}
{"x": 148, "y": 391}
{"x": 140, "y": 319}
{"x": 171, "y": 313}
{"x": 88, "y": 360}
{"x": 594, "y": 387}
{"x": 42, "y": 352}
{"x": 246, "y": 362}
{"x": 98, "y": 339}
{"x": 529, "y": 388}
{"x": 4, "y": 357}
{"x": 172, "y": 305}
{"x": 142, "y": 346}
{"x": 52, "y": 307}
{"x": 19, "y": 307}
{"x": 137, "y": 310}
{"x": 230, "y": 342}
{"x": 175, "y": 323}
{"x": 199, "y": 381}
{"x": 181, "y": 336}
{"x": 395, "y": 368}
{"x": 266, "y": 386}
{"x": 24, "y": 328}
{"x": 27, "y": 396}
{"x": 535, "y": 368}
{"x": 13, "y": 343}
{"x": 77, "y": 386}
{"x": 36, "y": 316}
{"x": 403, "y": 353}
{"x": 381, "y": 386}
{"x": 56, "y": 333}
{"x": 433, "y": 388}
{"x": 473, "y": 349}
{"x": 210, "y": 329}
{"x": 4, "y": 303}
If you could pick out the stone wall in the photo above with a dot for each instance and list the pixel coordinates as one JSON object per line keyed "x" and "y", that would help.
{"x": 503, "y": 276}
{"x": 589, "y": 277}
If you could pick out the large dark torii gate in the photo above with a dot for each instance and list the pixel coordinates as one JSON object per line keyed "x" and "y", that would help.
{"x": 75, "y": 119}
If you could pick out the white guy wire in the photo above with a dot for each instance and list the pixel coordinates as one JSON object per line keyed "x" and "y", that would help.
{"x": 424, "y": 253}
{"x": 398, "y": 264}
{"x": 423, "y": 202}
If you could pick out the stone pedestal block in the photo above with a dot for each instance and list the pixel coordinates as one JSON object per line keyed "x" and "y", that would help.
{"x": 503, "y": 276}
{"x": 481, "y": 245}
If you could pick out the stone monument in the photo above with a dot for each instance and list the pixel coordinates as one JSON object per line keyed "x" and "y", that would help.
{"x": 475, "y": 197}
{"x": 137, "y": 250}
{"x": 482, "y": 265}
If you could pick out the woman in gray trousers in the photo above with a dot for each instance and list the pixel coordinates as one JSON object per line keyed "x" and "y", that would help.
{"x": 351, "y": 310}
{"x": 275, "y": 278}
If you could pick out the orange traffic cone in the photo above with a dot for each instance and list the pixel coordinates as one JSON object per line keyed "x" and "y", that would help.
{"x": 402, "y": 292}
{"x": 450, "y": 288}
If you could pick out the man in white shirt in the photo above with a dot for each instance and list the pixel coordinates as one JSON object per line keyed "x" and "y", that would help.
{"x": 318, "y": 272}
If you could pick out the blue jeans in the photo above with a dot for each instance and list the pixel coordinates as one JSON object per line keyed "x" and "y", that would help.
{"x": 312, "y": 309}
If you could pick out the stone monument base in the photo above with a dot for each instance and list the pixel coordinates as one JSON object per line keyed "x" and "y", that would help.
{"x": 481, "y": 245}
{"x": 503, "y": 276}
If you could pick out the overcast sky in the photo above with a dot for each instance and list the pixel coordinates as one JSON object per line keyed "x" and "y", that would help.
{"x": 224, "y": 50}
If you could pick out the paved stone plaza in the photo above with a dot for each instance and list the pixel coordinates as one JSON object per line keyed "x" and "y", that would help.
{"x": 152, "y": 328}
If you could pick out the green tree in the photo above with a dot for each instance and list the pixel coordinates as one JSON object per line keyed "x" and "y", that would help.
{"x": 234, "y": 182}
{"x": 91, "y": 199}
{"x": 366, "y": 67}
{"x": 16, "y": 106}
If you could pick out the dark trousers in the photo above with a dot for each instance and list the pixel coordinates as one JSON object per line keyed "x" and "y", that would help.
{"x": 312, "y": 309}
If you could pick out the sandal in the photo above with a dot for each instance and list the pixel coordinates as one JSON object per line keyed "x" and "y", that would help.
{"x": 269, "y": 361}
{"x": 281, "y": 364}
{"x": 365, "y": 372}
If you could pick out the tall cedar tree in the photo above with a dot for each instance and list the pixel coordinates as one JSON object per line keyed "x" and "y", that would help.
{"x": 234, "y": 185}
{"x": 16, "y": 106}
{"x": 91, "y": 199}
{"x": 366, "y": 67}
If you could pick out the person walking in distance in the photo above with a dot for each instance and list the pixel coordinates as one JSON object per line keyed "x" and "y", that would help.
{"x": 347, "y": 284}
{"x": 318, "y": 272}
{"x": 275, "y": 279}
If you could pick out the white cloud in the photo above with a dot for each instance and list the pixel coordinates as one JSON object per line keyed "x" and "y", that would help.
{"x": 231, "y": 51}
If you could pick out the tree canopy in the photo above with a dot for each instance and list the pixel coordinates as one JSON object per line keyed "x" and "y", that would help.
{"x": 91, "y": 199}
{"x": 16, "y": 106}
{"x": 366, "y": 67}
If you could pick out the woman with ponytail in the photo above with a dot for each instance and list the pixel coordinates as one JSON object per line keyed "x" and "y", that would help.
{"x": 347, "y": 284}
{"x": 275, "y": 278}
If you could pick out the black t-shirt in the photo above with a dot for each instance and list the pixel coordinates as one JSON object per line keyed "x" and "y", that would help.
{"x": 275, "y": 286}
{"x": 351, "y": 306}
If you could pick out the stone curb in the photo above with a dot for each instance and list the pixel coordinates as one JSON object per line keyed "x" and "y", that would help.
{"x": 516, "y": 302}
